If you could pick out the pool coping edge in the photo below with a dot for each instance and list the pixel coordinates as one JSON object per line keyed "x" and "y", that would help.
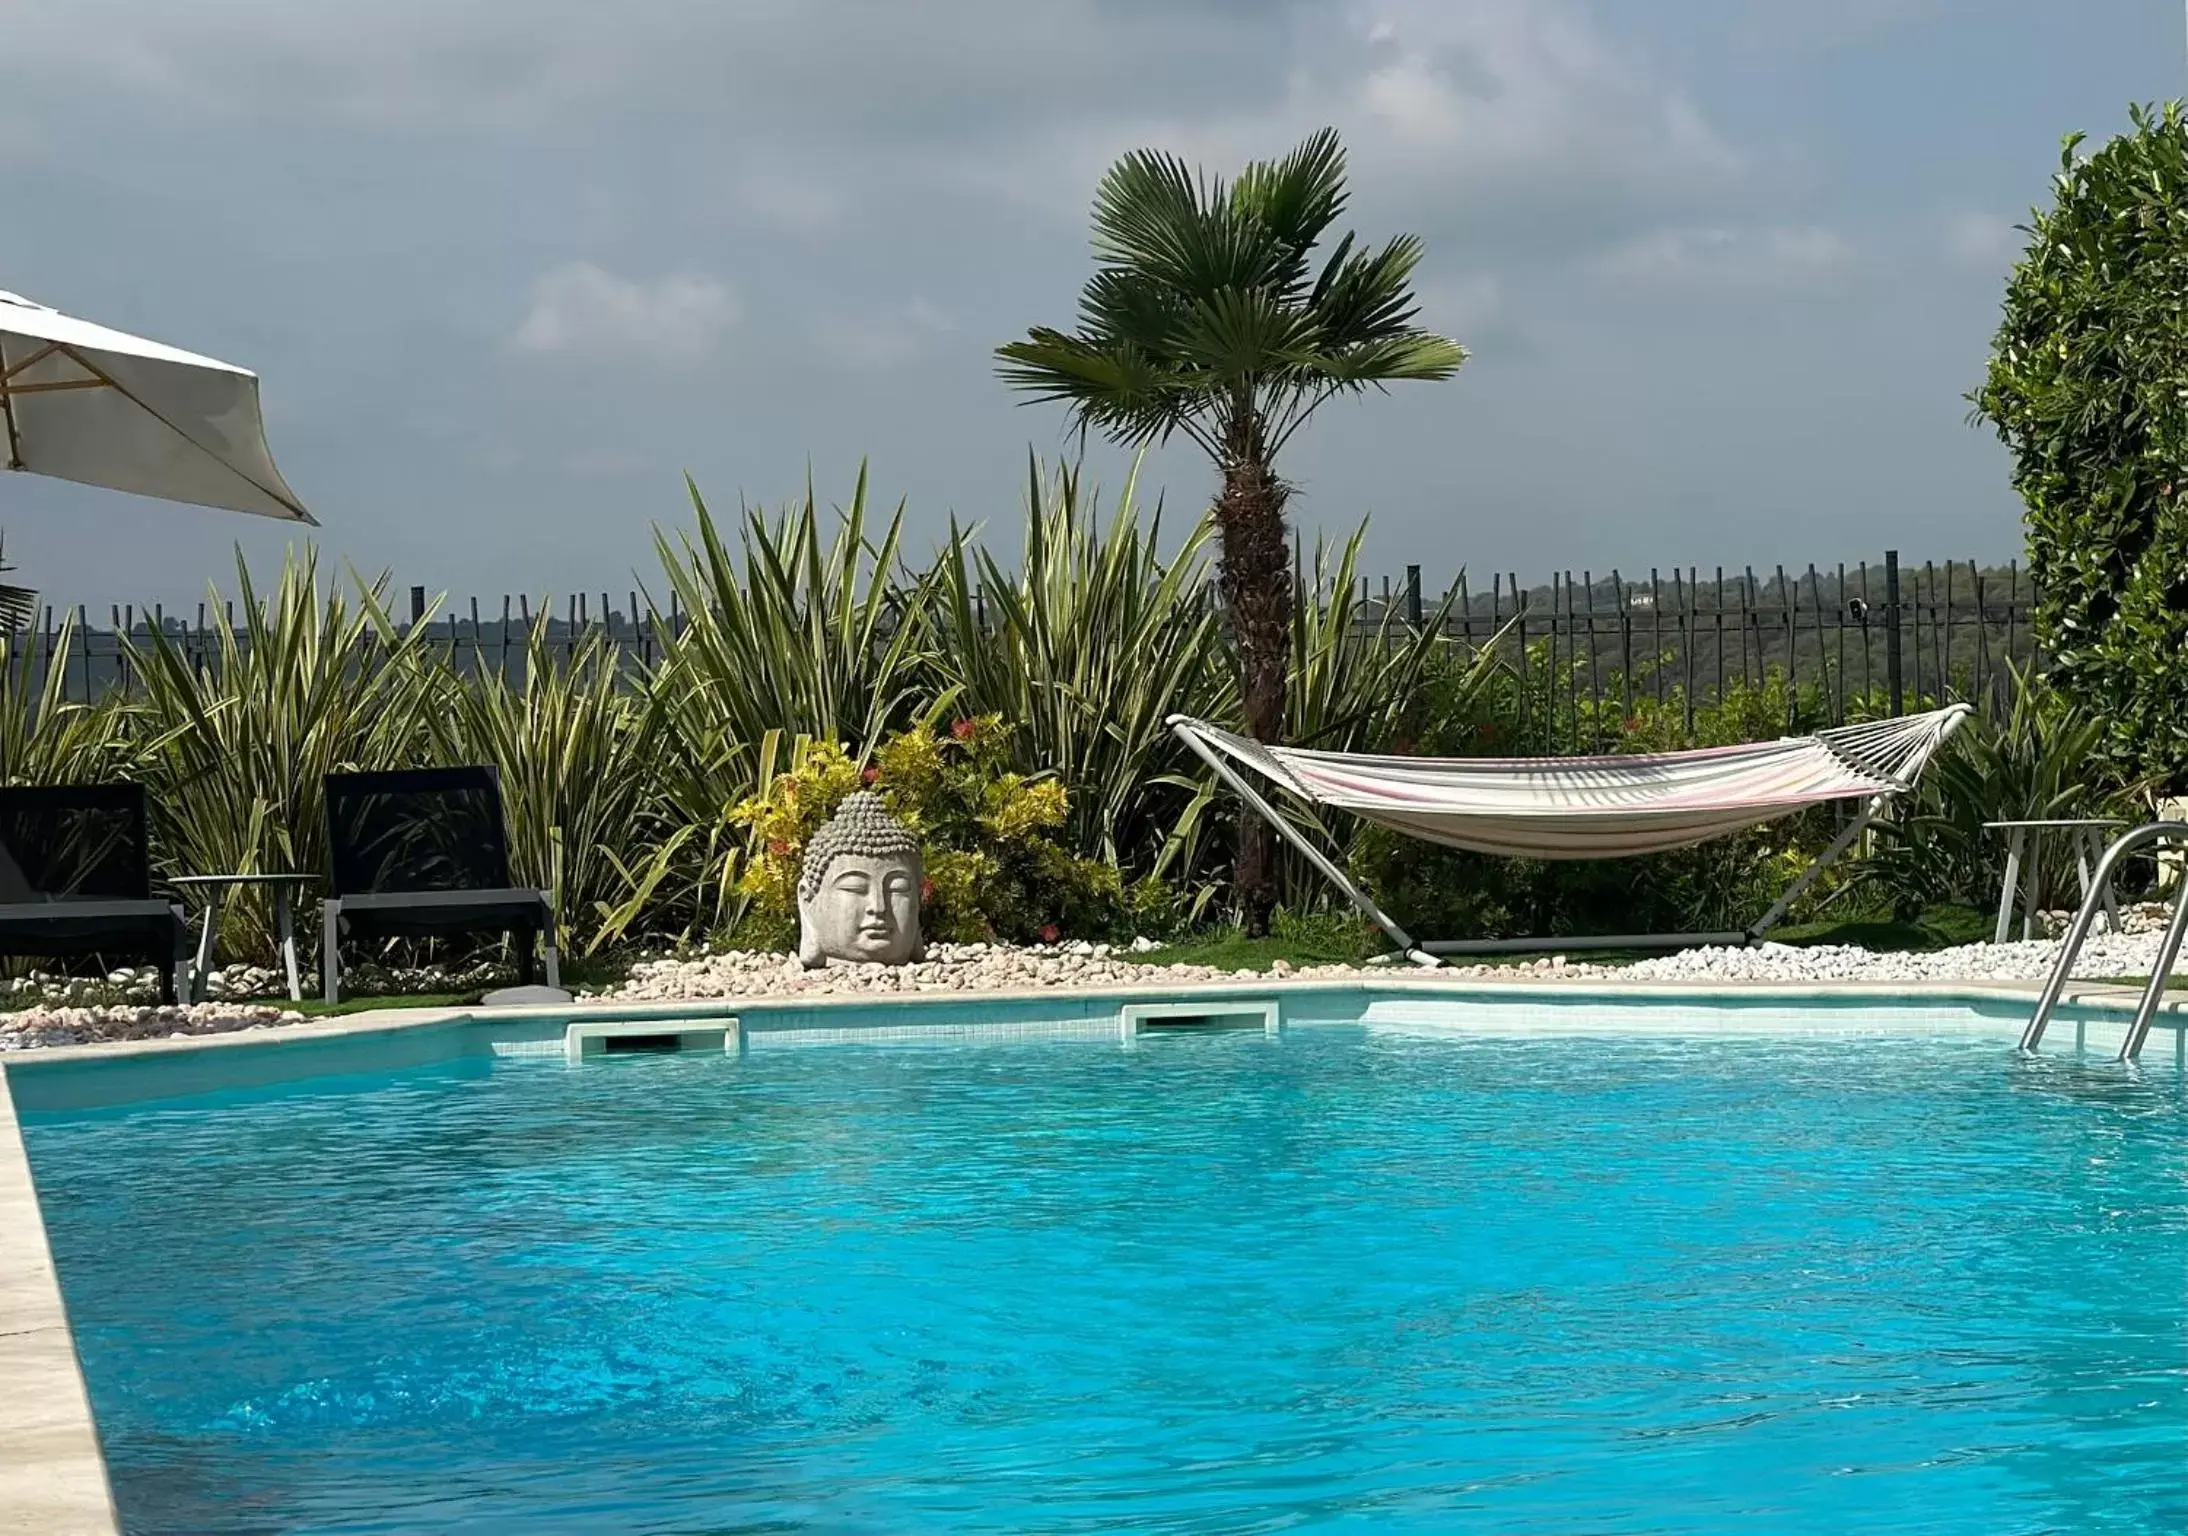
{"x": 52, "y": 1471}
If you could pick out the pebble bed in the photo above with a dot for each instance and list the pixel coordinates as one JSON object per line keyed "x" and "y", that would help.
{"x": 60, "y": 1017}
{"x": 66, "y": 1024}
{"x": 947, "y": 968}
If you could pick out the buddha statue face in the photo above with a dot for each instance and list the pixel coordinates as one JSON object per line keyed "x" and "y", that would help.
{"x": 867, "y": 909}
{"x": 858, "y": 895}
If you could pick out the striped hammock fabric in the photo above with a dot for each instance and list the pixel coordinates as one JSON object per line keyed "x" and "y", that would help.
{"x": 1598, "y": 807}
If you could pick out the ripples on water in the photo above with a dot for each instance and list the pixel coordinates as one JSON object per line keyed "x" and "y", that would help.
{"x": 1336, "y": 1280}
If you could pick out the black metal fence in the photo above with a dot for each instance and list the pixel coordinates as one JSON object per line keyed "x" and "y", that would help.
{"x": 1844, "y": 638}
{"x": 478, "y": 641}
{"x": 1850, "y": 636}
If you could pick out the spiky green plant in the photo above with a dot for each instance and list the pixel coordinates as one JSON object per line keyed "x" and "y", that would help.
{"x": 797, "y": 634}
{"x": 45, "y": 738}
{"x": 579, "y": 751}
{"x": 1355, "y": 676}
{"x": 1087, "y": 648}
{"x": 808, "y": 633}
{"x": 237, "y": 744}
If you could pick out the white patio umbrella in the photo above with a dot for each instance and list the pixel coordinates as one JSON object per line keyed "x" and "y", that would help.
{"x": 81, "y": 402}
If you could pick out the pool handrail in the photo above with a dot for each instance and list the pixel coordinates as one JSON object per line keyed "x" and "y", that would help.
{"x": 2077, "y": 934}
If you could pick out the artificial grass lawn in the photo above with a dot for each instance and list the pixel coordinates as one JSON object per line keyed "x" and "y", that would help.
{"x": 1937, "y": 928}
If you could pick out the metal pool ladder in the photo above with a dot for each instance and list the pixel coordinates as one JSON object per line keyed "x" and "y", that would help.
{"x": 2078, "y": 933}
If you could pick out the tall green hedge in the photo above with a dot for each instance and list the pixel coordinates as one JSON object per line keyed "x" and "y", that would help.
{"x": 2088, "y": 386}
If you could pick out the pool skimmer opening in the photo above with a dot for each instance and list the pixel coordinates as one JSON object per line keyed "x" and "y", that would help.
{"x": 1196, "y": 1015}
{"x": 586, "y": 1039}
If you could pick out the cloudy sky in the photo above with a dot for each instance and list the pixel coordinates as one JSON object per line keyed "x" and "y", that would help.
{"x": 509, "y": 268}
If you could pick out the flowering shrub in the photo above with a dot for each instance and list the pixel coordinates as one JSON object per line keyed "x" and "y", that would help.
{"x": 994, "y": 869}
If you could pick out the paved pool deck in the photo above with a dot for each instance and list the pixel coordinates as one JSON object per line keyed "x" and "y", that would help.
{"x": 52, "y": 1475}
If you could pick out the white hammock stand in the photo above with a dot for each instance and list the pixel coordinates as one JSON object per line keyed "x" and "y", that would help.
{"x": 1585, "y": 807}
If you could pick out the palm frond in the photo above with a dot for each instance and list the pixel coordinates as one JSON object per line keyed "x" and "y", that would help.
{"x": 1298, "y": 197}
{"x": 1123, "y": 305}
{"x": 1396, "y": 357}
{"x": 1145, "y": 210}
{"x": 1117, "y": 387}
{"x": 1367, "y": 295}
{"x": 1206, "y": 304}
{"x": 1238, "y": 334}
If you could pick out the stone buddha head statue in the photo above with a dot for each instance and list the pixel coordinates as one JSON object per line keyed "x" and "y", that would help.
{"x": 858, "y": 891}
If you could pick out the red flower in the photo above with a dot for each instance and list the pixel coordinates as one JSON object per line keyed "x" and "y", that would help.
{"x": 869, "y": 775}
{"x": 779, "y": 848}
{"x": 964, "y": 730}
{"x": 1051, "y": 933}
{"x": 926, "y": 890}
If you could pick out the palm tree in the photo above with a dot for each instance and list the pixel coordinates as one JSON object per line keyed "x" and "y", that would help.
{"x": 1208, "y": 316}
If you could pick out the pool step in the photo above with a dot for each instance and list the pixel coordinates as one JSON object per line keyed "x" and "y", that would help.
{"x": 1180, "y": 1015}
{"x": 586, "y": 1039}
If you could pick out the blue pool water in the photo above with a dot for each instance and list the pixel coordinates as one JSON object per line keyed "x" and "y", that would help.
{"x": 1335, "y": 1280}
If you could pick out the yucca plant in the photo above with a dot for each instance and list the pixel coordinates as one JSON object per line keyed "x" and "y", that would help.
{"x": 45, "y": 738}
{"x": 1355, "y": 678}
{"x": 579, "y": 750}
{"x": 1087, "y": 649}
{"x": 236, "y": 745}
{"x": 807, "y": 633}
{"x": 808, "y": 636}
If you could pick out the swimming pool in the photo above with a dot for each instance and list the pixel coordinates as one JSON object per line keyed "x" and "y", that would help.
{"x": 1352, "y": 1276}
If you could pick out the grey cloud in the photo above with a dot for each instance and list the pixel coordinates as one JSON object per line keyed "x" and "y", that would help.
{"x": 1781, "y": 257}
{"x": 449, "y": 236}
{"x": 864, "y": 339}
{"x": 578, "y": 308}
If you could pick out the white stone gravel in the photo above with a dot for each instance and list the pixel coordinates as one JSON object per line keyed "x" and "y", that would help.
{"x": 2105, "y": 955}
{"x": 947, "y": 968}
{"x": 980, "y": 967}
{"x": 43, "y": 1026}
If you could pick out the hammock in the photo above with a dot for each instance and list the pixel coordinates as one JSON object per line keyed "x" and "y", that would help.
{"x": 1589, "y": 807}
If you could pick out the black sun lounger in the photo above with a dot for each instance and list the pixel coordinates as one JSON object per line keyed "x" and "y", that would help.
{"x": 422, "y": 853}
{"x": 76, "y": 879}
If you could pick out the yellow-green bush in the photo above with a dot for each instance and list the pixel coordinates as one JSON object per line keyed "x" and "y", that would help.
{"x": 993, "y": 866}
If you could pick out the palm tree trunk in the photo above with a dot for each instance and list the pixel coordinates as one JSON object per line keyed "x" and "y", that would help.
{"x": 1256, "y": 580}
